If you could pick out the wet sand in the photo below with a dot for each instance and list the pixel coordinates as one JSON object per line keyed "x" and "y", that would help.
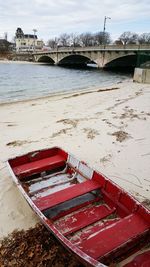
{"x": 108, "y": 128}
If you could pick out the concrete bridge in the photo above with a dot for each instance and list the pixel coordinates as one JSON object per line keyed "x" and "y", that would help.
{"x": 110, "y": 56}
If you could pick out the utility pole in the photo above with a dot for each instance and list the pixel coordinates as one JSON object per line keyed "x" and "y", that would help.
{"x": 5, "y": 35}
{"x": 104, "y": 40}
{"x": 104, "y": 30}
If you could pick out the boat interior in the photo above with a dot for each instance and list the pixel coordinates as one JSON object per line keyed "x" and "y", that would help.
{"x": 88, "y": 209}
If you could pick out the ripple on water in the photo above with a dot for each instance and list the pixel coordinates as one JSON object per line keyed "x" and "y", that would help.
{"x": 25, "y": 81}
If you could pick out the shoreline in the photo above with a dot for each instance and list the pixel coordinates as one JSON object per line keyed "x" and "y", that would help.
{"x": 5, "y": 61}
{"x": 108, "y": 128}
{"x": 21, "y": 62}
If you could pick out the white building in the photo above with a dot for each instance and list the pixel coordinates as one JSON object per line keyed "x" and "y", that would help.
{"x": 27, "y": 42}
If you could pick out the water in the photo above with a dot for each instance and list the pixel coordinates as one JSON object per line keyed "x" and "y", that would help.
{"x": 20, "y": 81}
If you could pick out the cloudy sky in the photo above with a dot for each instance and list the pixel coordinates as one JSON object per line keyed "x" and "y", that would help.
{"x": 53, "y": 17}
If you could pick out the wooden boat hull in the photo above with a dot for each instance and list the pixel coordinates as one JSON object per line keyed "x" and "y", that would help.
{"x": 89, "y": 214}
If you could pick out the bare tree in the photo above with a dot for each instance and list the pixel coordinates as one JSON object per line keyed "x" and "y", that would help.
{"x": 64, "y": 39}
{"x": 128, "y": 37}
{"x": 75, "y": 40}
{"x": 86, "y": 39}
{"x": 144, "y": 38}
{"x": 53, "y": 43}
{"x": 4, "y": 46}
{"x": 101, "y": 38}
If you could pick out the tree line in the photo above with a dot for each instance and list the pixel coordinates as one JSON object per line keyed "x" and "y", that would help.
{"x": 83, "y": 40}
{"x": 5, "y": 46}
{"x": 87, "y": 39}
{"x": 96, "y": 39}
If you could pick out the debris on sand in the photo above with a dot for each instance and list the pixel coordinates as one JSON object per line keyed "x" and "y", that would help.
{"x": 16, "y": 143}
{"x": 108, "y": 89}
{"x": 35, "y": 247}
{"x": 106, "y": 159}
{"x": 62, "y": 131}
{"x": 93, "y": 91}
{"x": 146, "y": 203}
{"x": 91, "y": 133}
{"x": 73, "y": 123}
{"x": 19, "y": 143}
{"x": 121, "y": 136}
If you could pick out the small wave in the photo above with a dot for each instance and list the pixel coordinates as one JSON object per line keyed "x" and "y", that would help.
{"x": 14, "y": 92}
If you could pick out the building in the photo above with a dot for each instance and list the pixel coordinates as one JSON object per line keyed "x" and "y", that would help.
{"x": 27, "y": 42}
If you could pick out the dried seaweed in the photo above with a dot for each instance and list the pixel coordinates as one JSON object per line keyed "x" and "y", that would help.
{"x": 35, "y": 247}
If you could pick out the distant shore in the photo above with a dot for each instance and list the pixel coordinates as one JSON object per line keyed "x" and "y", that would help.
{"x": 107, "y": 127}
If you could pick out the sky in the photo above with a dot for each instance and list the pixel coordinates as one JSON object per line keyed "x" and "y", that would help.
{"x": 54, "y": 17}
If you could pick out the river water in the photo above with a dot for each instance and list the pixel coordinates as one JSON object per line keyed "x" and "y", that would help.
{"x": 20, "y": 81}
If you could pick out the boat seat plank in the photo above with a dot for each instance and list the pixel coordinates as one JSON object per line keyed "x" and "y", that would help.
{"x": 93, "y": 229}
{"x": 33, "y": 167}
{"x": 66, "y": 194}
{"x": 117, "y": 235}
{"x": 82, "y": 218}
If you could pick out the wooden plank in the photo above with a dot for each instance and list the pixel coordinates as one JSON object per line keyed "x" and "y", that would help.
{"x": 33, "y": 167}
{"x": 82, "y": 218}
{"x": 85, "y": 233}
{"x": 119, "y": 234}
{"x": 66, "y": 194}
{"x": 75, "y": 207}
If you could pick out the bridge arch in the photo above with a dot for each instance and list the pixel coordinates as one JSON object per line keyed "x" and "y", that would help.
{"x": 46, "y": 59}
{"x": 75, "y": 60}
{"x": 125, "y": 61}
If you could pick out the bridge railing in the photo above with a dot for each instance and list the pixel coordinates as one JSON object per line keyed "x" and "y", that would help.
{"x": 97, "y": 48}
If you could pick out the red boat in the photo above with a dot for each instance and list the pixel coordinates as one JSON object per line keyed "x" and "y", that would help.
{"x": 90, "y": 215}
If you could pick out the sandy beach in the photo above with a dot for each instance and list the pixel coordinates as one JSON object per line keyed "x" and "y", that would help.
{"x": 108, "y": 128}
